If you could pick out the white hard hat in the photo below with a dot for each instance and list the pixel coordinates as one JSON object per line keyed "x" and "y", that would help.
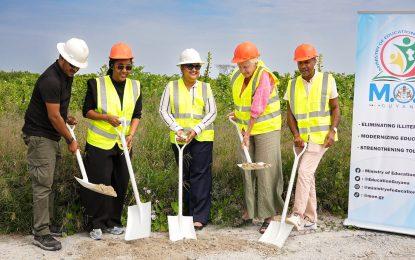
{"x": 75, "y": 51}
{"x": 190, "y": 56}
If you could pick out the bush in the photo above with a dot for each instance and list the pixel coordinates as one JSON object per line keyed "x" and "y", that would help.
{"x": 153, "y": 159}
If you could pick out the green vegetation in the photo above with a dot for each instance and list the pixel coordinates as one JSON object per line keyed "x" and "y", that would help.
{"x": 153, "y": 160}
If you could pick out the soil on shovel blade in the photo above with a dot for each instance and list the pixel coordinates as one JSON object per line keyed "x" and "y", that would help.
{"x": 330, "y": 241}
{"x": 106, "y": 189}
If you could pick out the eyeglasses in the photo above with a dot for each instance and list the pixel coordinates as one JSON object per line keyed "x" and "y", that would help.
{"x": 127, "y": 67}
{"x": 73, "y": 66}
{"x": 193, "y": 66}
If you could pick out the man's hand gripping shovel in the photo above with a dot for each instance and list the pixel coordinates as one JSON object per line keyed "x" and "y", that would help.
{"x": 139, "y": 216}
{"x": 100, "y": 188}
{"x": 278, "y": 232}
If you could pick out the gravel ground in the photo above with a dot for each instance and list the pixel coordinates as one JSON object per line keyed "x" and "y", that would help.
{"x": 330, "y": 241}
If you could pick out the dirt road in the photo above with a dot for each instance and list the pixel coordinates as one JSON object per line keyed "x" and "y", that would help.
{"x": 330, "y": 241}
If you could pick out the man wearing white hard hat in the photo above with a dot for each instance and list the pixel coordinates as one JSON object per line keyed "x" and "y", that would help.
{"x": 188, "y": 109}
{"x": 43, "y": 128}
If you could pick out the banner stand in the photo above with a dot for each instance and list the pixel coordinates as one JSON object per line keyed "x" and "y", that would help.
{"x": 382, "y": 162}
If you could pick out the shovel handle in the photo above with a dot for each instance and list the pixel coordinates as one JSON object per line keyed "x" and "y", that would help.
{"x": 180, "y": 202}
{"x": 128, "y": 160}
{"x": 78, "y": 153}
{"x": 292, "y": 178}
{"x": 244, "y": 148}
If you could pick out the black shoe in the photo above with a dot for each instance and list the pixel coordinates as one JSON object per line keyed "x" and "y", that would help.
{"x": 47, "y": 242}
{"x": 264, "y": 227}
{"x": 199, "y": 227}
{"x": 56, "y": 231}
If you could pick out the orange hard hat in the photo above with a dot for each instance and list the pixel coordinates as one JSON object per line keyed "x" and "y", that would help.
{"x": 245, "y": 51}
{"x": 121, "y": 51}
{"x": 305, "y": 52}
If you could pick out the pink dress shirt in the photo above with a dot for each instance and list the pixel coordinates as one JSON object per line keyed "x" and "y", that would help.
{"x": 262, "y": 93}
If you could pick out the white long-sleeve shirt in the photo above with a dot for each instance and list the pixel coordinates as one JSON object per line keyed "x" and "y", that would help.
{"x": 167, "y": 116}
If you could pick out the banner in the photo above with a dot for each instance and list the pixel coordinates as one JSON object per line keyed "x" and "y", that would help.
{"x": 382, "y": 167}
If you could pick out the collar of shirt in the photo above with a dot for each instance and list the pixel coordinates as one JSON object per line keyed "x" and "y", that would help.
{"x": 306, "y": 83}
{"x": 118, "y": 84}
{"x": 194, "y": 85}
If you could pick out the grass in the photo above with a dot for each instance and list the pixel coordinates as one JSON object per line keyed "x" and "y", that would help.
{"x": 156, "y": 171}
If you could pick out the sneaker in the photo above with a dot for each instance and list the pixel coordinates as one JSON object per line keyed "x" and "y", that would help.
{"x": 96, "y": 234}
{"x": 309, "y": 225}
{"x": 115, "y": 230}
{"x": 295, "y": 220}
{"x": 47, "y": 242}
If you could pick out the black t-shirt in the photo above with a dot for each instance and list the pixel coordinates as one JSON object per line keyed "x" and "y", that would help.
{"x": 53, "y": 86}
{"x": 90, "y": 102}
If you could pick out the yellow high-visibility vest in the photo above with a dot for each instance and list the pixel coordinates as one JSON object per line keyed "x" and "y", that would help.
{"x": 188, "y": 111}
{"x": 270, "y": 119}
{"x": 102, "y": 134}
{"x": 312, "y": 112}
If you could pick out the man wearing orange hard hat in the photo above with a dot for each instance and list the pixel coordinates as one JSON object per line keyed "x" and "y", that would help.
{"x": 258, "y": 116}
{"x": 313, "y": 115}
{"x": 108, "y": 99}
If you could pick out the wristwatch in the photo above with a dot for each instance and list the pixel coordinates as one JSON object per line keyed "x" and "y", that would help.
{"x": 69, "y": 141}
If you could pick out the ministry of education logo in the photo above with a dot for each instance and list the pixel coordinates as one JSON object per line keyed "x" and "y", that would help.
{"x": 395, "y": 57}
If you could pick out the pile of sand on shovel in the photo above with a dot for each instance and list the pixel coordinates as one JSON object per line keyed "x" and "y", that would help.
{"x": 255, "y": 166}
{"x": 104, "y": 189}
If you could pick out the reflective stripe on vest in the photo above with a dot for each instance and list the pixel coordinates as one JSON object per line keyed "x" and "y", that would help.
{"x": 314, "y": 129}
{"x": 103, "y": 90}
{"x": 261, "y": 118}
{"x": 101, "y": 132}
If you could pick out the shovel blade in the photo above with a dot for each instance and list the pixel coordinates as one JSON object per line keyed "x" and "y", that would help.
{"x": 138, "y": 221}
{"x": 181, "y": 227}
{"x": 99, "y": 188}
{"x": 276, "y": 233}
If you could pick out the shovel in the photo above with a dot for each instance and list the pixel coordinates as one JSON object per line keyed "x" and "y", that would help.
{"x": 100, "y": 188}
{"x": 249, "y": 165}
{"x": 181, "y": 227}
{"x": 278, "y": 232}
{"x": 139, "y": 216}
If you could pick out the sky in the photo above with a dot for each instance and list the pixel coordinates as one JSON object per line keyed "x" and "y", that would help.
{"x": 158, "y": 31}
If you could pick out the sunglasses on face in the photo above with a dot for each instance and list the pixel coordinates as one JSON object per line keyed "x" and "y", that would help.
{"x": 193, "y": 66}
{"x": 73, "y": 66}
{"x": 127, "y": 67}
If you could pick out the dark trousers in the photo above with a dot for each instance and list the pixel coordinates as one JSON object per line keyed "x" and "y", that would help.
{"x": 43, "y": 156}
{"x": 197, "y": 179}
{"x": 106, "y": 167}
